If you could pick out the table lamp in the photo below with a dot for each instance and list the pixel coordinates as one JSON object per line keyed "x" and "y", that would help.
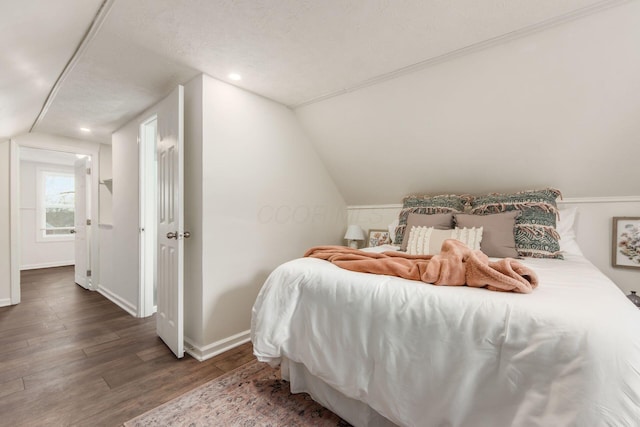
{"x": 353, "y": 234}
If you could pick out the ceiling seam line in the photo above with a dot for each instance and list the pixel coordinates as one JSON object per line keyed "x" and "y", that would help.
{"x": 494, "y": 41}
{"x": 96, "y": 24}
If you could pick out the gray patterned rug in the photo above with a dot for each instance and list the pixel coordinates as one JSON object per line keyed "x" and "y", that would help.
{"x": 251, "y": 395}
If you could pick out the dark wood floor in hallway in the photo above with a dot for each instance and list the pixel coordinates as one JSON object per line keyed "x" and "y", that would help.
{"x": 70, "y": 357}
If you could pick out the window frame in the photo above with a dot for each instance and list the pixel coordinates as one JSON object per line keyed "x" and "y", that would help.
{"x": 41, "y": 173}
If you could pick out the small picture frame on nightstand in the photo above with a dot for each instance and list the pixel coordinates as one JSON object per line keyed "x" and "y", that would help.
{"x": 378, "y": 238}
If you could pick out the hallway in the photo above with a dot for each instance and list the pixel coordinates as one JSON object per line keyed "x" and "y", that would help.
{"x": 69, "y": 356}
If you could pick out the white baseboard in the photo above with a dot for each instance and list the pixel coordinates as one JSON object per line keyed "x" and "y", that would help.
{"x": 117, "y": 300}
{"x": 202, "y": 353}
{"x": 47, "y": 265}
{"x": 5, "y": 302}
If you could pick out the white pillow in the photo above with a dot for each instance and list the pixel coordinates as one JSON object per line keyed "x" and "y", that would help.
{"x": 392, "y": 230}
{"x": 428, "y": 240}
{"x": 566, "y": 228}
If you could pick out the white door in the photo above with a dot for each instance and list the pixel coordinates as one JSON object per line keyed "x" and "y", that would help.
{"x": 170, "y": 221}
{"x": 82, "y": 248}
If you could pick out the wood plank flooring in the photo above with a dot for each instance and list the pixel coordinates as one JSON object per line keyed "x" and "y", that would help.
{"x": 70, "y": 357}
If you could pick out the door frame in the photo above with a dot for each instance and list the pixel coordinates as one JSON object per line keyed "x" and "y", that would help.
{"x": 14, "y": 206}
{"x": 148, "y": 217}
{"x": 81, "y": 229}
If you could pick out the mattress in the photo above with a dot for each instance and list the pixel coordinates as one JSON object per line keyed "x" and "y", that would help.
{"x": 425, "y": 355}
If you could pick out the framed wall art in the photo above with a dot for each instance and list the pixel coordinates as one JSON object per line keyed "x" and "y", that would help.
{"x": 626, "y": 242}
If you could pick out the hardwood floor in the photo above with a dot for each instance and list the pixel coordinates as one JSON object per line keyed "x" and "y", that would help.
{"x": 70, "y": 357}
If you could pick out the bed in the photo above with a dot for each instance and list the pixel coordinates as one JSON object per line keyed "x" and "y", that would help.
{"x": 383, "y": 351}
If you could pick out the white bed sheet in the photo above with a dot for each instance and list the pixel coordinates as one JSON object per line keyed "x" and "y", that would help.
{"x": 423, "y": 355}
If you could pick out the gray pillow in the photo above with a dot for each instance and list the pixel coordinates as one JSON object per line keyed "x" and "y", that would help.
{"x": 497, "y": 236}
{"x": 443, "y": 221}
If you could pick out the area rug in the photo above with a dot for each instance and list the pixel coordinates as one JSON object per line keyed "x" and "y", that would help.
{"x": 251, "y": 395}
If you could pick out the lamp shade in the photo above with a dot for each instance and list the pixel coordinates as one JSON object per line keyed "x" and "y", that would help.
{"x": 354, "y": 232}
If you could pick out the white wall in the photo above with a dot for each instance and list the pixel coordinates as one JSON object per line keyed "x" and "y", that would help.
{"x": 593, "y": 230}
{"x": 59, "y": 143}
{"x": 266, "y": 198}
{"x": 5, "y": 225}
{"x": 107, "y": 273}
{"x": 193, "y": 221}
{"x": 555, "y": 108}
{"x": 35, "y": 253}
{"x": 123, "y": 289}
{"x": 106, "y": 196}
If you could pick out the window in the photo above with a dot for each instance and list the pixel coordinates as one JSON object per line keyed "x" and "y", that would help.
{"x": 56, "y": 205}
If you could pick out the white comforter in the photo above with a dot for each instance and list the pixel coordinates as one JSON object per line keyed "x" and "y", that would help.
{"x": 423, "y": 355}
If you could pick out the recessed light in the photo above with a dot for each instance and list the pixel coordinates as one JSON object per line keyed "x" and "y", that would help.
{"x": 235, "y": 76}
{"x": 85, "y": 129}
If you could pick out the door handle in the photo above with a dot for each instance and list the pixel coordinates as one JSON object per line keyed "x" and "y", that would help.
{"x": 72, "y": 231}
{"x": 176, "y": 235}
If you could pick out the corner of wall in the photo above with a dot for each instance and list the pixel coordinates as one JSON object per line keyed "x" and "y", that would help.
{"x": 266, "y": 195}
{"x": 205, "y": 352}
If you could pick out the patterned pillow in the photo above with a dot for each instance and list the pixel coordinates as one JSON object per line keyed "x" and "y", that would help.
{"x": 446, "y": 203}
{"x": 535, "y": 229}
{"x": 428, "y": 240}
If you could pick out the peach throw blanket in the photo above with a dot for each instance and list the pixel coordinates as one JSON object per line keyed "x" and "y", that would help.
{"x": 456, "y": 265}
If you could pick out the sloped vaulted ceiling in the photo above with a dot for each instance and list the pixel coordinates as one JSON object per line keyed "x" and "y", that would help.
{"x": 374, "y": 81}
{"x": 292, "y": 51}
{"x": 556, "y": 108}
{"x": 37, "y": 42}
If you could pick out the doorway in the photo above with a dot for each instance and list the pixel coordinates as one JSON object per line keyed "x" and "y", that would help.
{"x": 161, "y": 218}
{"x": 46, "y": 228}
{"x": 148, "y": 289}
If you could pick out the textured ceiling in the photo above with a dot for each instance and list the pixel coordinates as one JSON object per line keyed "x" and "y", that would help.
{"x": 34, "y": 48}
{"x": 292, "y": 51}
